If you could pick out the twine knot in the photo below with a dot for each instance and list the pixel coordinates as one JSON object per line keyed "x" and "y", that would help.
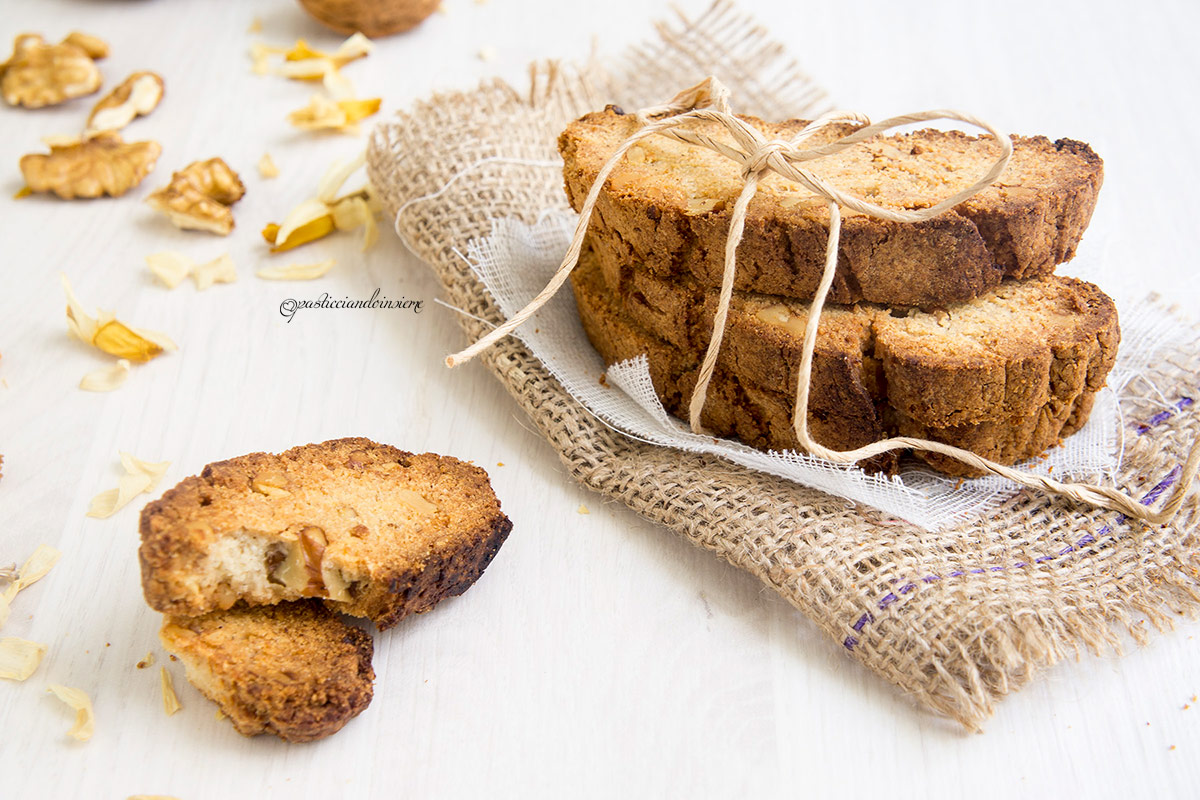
{"x": 758, "y": 160}
{"x": 708, "y": 101}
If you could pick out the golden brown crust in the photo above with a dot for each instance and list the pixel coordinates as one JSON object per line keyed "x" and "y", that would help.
{"x": 1006, "y": 354}
{"x": 401, "y": 531}
{"x": 668, "y": 211}
{"x": 295, "y": 670}
{"x": 856, "y": 371}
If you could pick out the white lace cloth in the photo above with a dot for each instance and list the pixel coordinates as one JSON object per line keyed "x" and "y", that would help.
{"x": 516, "y": 261}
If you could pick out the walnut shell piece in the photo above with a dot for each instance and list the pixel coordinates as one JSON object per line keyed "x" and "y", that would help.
{"x": 371, "y": 17}
{"x": 136, "y": 96}
{"x": 200, "y": 197}
{"x": 40, "y": 74}
{"x": 101, "y": 165}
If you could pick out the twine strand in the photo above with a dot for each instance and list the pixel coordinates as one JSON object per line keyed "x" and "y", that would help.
{"x": 756, "y": 156}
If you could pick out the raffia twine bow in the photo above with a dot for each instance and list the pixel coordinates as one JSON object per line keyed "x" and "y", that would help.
{"x": 709, "y": 101}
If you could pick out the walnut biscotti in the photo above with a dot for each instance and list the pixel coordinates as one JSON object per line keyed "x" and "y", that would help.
{"x": 1004, "y": 376}
{"x": 372, "y": 530}
{"x": 295, "y": 669}
{"x": 667, "y": 207}
{"x": 1006, "y": 354}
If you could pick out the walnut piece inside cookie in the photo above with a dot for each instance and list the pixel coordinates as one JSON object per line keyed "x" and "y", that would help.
{"x": 372, "y": 530}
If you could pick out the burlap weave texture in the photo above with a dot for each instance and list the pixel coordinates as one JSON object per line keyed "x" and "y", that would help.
{"x": 957, "y": 618}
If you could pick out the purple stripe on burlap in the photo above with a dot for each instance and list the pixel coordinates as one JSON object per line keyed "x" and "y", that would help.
{"x": 1163, "y": 416}
{"x": 1085, "y": 540}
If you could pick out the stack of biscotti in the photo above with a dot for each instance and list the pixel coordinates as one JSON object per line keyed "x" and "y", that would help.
{"x": 253, "y": 560}
{"x": 954, "y": 329}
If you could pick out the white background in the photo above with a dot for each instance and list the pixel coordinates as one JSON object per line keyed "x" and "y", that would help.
{"x": 599, "y": 655}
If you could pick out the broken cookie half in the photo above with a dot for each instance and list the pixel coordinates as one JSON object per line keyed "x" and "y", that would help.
{"x": 294, "y": 669}
{"x": 371, "y": 530}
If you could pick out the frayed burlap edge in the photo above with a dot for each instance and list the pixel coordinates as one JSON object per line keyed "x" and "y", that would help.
{"x": 957, "y": 619}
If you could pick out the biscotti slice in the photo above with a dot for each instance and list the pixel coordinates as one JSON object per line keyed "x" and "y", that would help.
{"x": 843, "y": 413}
{"x": 666, "y": 207}
{"x": 374, "y": 531}
{"x": 1006, "y": 354}
{"x": 295, "y": 669}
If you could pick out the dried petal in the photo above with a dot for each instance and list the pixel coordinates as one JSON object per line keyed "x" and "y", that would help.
{"x": 171, "y": 702}
{"x": 36, "y": 566}
{"x": 296, "y": 272}
{"x": 169, "y": 267}
{"x": 4, "y": 609}
{"x": 106, "y": 379}
{"x": 355, "y": 47}
{"x": 352, "y": 212}
{"x": 359, "y": 109}
{"x": 107, "y": 333}
{"x": 266, "y": 166}
{"x": 302, "y": 52}
{"x": 155, "y": 470}
{"x": 85, "y": 722}
{"x": 306, "y": 213}
{"x": 321, "y": 113}
{"x": 219, "y": 270}
{"x": 19, "y": 658}
{"x": 338, "y": 85}
{"x": 337, "y": 175}
{"x": 82, "y": 325}
{"x": 261, "y": 54}
{"x": 140, "y": 476}
{"x": 120, "y": 340}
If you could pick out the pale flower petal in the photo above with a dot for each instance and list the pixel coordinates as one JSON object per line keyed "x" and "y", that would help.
{"x": 169, "y": 267}
{"x": 336, "y": 175}
{"x": 302, "y": 214}
{"x": 296, "y": 272}
{"x": 19, "y": 658}
{"x": 171, "y": 702}
{"x": 140, "y": 476}
{"x": 267, "y": 167}
{"x": 85, "y": 721}
{"x": 106, "y": 379}
{"x": 219, "y": 270}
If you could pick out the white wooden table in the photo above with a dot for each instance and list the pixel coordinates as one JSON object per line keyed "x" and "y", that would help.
{"x": 599, "y": 655}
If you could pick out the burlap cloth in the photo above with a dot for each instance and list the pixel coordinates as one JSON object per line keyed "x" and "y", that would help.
{"x": 957, "y": 618}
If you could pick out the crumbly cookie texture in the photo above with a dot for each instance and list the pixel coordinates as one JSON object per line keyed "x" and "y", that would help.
{"x": 295, "y": 669}
{"x": 1005, "y": 376}
{"x": 666, "y": 207}
{"x": 372, "y": 530}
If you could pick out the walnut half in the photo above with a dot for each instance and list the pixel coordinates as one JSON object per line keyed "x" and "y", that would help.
{"x": 40, "y": 74}
{"x": 136, "y": 96}
{"x": 199, "y": 197}
{"x": 101, "y": 165}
